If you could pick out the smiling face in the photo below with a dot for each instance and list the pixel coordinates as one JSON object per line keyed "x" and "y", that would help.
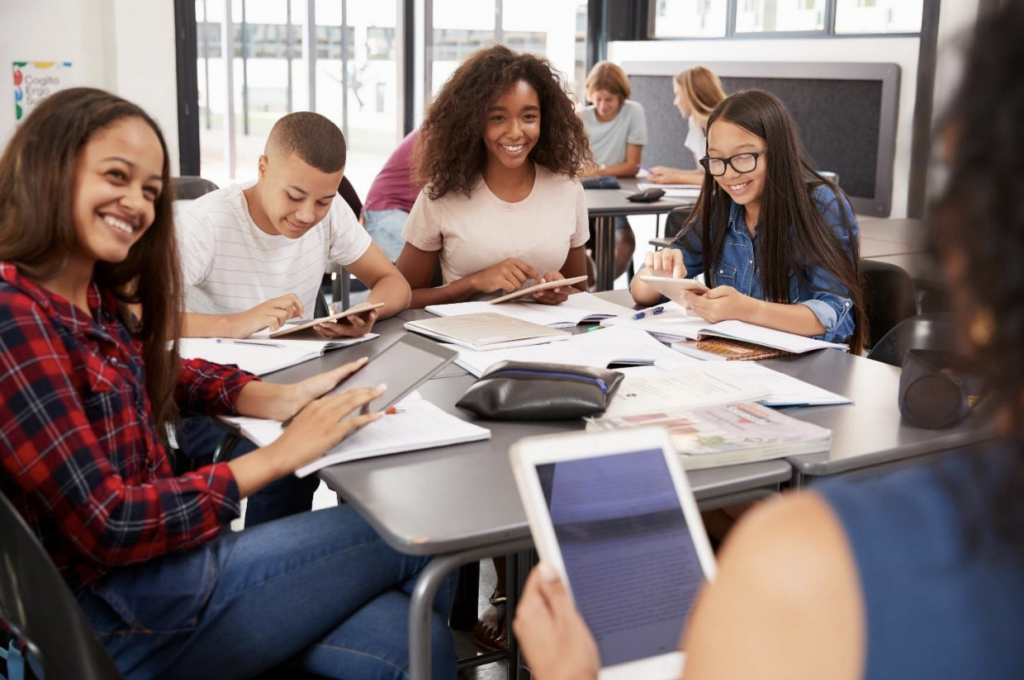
{"x": 606, "y": 104}
{"x": 118, "y": 180}
{"x": 294, "y": 196}
{"x": 513, "y": 126}
{"x": 727, "y": 139}
{"x": 681, "y": 100}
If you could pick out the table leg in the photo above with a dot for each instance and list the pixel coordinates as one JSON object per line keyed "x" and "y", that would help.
{"x": 604, "y": 252}
{"x": 422, "y": 601}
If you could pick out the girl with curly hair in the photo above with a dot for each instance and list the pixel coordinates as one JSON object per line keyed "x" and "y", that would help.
{"x": 498, "y": 155}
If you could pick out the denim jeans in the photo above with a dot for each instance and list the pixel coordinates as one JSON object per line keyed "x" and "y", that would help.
{"x": 318, "y": 592}
{"x": 198, "y": 438}
{"x": 385, "y": 228}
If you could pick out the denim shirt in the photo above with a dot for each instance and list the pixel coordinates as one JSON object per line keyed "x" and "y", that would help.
{"x": 815, "y": 288}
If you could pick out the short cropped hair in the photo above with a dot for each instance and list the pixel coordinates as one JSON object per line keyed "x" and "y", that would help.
{"x": 314, "y": 138}
{"x": 610, "y": 78}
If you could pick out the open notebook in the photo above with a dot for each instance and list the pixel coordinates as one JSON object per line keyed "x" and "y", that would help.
{"x": 261, "y": 355}
{"x": 675, "y": 323}
{"x": 486, "y": 331}
{"x": 579, "y": 308}
{"x": 417, "y": 424}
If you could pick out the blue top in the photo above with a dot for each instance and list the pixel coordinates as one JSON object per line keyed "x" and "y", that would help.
{"x": 944, "y": 596}
{"x": 815, "y": 287}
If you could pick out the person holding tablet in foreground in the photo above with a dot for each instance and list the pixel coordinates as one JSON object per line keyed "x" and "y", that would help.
{"x": 86, "y": 389}
{"x": 776, "y": 242}
{"x": 498, "y": 154}
{"x": 254, "y": 255}
{"x": 913, "y": 574}
{"x": 697, "y": 92}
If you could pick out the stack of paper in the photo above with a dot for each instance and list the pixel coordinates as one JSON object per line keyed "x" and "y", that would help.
{"x": 260, "y": 355}
{"x": 579, "y": 308}
{"x": 684, "y": 388}
{"x": 784, "y": 390}
{"x": 729, "y": 434}
{"x": 417, "y": 425}
{"x": 595, "y": 349}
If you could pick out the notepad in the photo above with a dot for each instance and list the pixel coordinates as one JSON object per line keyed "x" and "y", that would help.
{"x": 530, "y": 290}
{"x": 598, "y": 349}
{"x": 417, "y": 425}
{"x": 260, "y": 355}
{"x": 675, "y": 323}
{"x": 784, "y": 390}
{"x": 579, "y": 308}
{"x": 486, "y": 331}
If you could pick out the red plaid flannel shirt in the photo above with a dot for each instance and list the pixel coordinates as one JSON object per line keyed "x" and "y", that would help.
{"x": 80, "y": 456}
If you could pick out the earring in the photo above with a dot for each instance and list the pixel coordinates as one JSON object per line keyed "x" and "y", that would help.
{"x": 982, "y": 327}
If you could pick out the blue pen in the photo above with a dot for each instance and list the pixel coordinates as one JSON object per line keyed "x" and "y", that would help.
{"x": 654, "y": 311}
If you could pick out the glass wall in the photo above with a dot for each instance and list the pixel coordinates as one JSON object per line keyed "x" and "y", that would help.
{"x": 356, "y": 78}
{"x": 879, "y": 16}
{"x": 781, "y": 16}
{"x": 690, "y": 18}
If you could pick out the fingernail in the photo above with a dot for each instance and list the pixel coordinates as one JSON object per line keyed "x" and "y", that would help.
{"x": 363, "y": 360}
{"x": 382, "y": 387}
{"x": 547, "y": 572}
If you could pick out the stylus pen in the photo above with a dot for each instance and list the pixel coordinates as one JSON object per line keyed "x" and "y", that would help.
{"x": 249, "y": 342}
{"x": 653, "y": 311}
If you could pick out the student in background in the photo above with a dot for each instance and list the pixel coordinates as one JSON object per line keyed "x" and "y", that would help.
{"x": 697, "y": 92}
{"x": 390, "y": 199}
{"x": 254, "y": 255}
{"x": 617, "y": 130}
{"x": 776, "y": 243}
{"x": 498, "y": 155}
{"x": 86, "y": 389}
{"x": 914, "y": 574}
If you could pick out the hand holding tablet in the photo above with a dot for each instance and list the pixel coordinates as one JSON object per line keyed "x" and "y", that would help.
{"x": 547, "y": 285}
{"x": 359, "y": 309}
{"x": 673, "y": 288}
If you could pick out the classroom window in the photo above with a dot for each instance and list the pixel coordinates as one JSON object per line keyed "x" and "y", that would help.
{"x": 355, "y": 73}
{"x": 780, "y": 16}
{"x": 879, "y": 16}
{"x": 690, "y": 18}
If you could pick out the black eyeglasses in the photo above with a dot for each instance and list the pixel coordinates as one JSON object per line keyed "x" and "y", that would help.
{"x": 741, "y": 163}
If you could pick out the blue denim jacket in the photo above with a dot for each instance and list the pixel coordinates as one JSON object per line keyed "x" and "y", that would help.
{"x": 816, "y": 288}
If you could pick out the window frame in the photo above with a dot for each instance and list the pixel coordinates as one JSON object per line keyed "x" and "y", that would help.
{"x": 732, "y": 8}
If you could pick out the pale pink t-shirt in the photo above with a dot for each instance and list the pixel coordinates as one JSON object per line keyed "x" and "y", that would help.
{"x": 480, "y": 231}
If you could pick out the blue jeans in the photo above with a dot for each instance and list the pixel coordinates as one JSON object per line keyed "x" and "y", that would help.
{"x": 385, "y": 228}
{"x": 198, "y": 438}
{"x": 318, "y": 592}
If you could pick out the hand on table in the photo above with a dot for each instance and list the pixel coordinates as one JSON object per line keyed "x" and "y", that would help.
{"x": 271, "y": 314}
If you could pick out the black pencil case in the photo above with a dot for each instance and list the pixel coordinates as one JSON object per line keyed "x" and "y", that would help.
{"x": 517, "y": 390}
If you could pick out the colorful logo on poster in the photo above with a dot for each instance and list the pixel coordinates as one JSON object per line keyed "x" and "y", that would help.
{"x": 36, "y": 80}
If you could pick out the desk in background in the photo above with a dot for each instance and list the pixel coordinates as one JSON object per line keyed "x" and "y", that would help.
{"x": 604, "y": 205}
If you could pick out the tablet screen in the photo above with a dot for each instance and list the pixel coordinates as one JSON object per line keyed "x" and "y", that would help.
{"x": 628, "y": 554}
{"x": 403, "y": 366}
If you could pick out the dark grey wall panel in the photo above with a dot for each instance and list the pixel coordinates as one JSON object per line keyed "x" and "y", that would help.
{"x": 845, "y": 114}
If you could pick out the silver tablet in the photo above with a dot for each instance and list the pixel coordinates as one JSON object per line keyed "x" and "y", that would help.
{"x": 614, "y": 515}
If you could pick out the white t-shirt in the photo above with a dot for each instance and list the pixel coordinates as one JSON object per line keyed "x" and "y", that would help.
{"x": 695, "y": 139}
{"x": 608, "y": 140}
{"x": 480, "y": 231}
{"x": 229, "y": 265}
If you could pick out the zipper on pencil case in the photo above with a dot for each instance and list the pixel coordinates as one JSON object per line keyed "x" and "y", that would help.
{"x": 573, "y": 376}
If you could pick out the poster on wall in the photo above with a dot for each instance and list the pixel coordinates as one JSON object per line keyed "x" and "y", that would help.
{"x": 36, "y": 80}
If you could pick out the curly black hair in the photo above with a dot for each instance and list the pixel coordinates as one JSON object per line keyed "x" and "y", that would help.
{"x": 978, "y": 222}
{"x": 450, "y": 154}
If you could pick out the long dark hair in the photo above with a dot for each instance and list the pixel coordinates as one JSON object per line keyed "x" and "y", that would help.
{"x": 450, "y": 155}
{"x": 37, "y": 231}
{"x": 792, "y": 231}
{"x": 978, "y": 230}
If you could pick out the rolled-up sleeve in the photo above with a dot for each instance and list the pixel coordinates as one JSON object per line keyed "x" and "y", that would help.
{"x": 830, "y": 300}
{"x": 205, "y": 388}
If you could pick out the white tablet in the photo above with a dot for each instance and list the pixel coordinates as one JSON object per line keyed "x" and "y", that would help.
{"x": 361, "y": 308}
{"x": 672, "y": 288}
{"x": 614, "y": 515}
{"x": 547, "y": 285}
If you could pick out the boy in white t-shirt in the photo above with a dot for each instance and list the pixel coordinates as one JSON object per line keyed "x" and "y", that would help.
{"x": 254, "y": 256}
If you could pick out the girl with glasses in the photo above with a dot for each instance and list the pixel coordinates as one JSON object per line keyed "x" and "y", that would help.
{"x": 775, "y": 241}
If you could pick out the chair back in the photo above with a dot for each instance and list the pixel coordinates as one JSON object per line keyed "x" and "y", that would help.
{"x": 190, "y": 188}
{"x": 889, "y": 296}
{"x": 925, "y": 331}
{"x": 675, "y": 219}
{"x": 38, "y": 605}
{"x": 348, "y": 192}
